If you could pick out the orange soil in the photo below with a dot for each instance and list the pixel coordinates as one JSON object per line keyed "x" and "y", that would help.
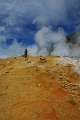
{"x": 38, "y": 91}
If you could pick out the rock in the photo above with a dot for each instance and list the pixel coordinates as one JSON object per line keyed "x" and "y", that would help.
{"x": 69, "y": 65}
{"x": 74, "y": 87}
{"x": 63, "y": 85}
{"x": 61, "y": 78}
{"x": 71, "y": 101}
{"x": 42, "y": 59}
{"x": 39, "y": 84}
{"x": 24, "y": 83}
{"x": 57, "y": 64}
{"x": 7, "y": 71}
{"x": 10, "y": 68}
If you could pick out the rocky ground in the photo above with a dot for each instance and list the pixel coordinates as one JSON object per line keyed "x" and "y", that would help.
{"x": 38, "y": 89}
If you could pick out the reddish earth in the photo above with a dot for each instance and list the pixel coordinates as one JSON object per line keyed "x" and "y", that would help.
{"x": 34, "y": 90}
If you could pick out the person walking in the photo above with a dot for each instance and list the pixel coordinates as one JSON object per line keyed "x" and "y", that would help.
{"x": 26, "y": 54}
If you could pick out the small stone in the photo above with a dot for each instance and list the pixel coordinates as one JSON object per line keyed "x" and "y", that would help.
{"x": 69, "y": 65}
{"x": 71, "y": 101}
{"x": 39, "y": 84}
{"x": 13, "y": 73}
{"x": 42, "y": 59}
{"x": 10, "y": 68}
{"x": 64, "y": 85}
{"x": 57, "y": 64}
{"x": 7, "y": 71}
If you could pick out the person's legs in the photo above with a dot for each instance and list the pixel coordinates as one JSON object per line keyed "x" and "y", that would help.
{"x": 26, "y": 57}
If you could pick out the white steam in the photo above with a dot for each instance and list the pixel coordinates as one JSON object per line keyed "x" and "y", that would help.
{"x": 43, "y": 39}
{"x": 16, "y": 16}
{"x": 46, "y": 36}
{"x": 13, "y": 50}
{"x": 61, "y": 48}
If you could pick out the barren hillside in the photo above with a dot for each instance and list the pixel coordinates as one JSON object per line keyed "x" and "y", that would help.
{"x": 39, "y": 89}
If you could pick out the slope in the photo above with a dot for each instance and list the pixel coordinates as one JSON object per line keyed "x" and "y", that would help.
{"x": 38, "y": 90}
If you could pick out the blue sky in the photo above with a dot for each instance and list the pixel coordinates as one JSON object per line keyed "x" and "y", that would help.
{"x": 34, "y": 24}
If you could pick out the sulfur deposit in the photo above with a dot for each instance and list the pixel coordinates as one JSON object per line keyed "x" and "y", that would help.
{"x": 39, "y": 89}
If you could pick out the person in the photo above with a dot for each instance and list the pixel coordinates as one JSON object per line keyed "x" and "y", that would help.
{"x": 25, "y": 54}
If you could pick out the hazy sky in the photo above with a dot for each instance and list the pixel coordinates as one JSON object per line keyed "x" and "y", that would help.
{"x": 34, "y": 24}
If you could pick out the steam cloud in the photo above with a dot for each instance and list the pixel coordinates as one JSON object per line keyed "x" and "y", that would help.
{"x": 15, "y": 16}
